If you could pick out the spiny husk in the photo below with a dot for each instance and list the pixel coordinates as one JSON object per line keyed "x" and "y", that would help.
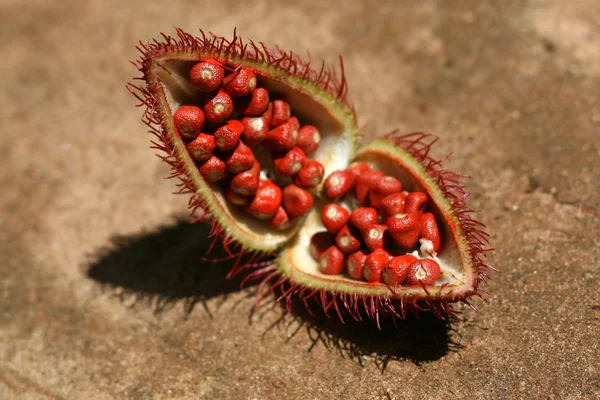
{"x": 389, "y": 303}
{"x": 326, "y": 84}
{"x": 262, "y": 265}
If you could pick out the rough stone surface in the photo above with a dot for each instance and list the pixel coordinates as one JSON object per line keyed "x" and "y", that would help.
{"x": 104, "y": 294}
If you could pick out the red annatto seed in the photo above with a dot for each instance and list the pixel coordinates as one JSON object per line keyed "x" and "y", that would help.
{"x": 207, "y": 76}
{"x": 396, "y": 270}
{"x": 228, "y": 136}
{"x": 361, "y": 190}
{"x": 334, "y": 217}
{"x": 281, "y": 113}
{"x": 246, "y": 183}
{"x": 358, "y": 168}
{"x": 430, "y": 231}
{"x": 388, "y": 185}
{"x": 240, "y": 82}
{"x": 320, "y": 242}
{"x": 290, "y": 163}
{"x": 266, "y": 201}
{"x": 239, "y": 160}
{"x": 281, "y": 220}
{"x": 310, "y": 175}
{"x": 392, "y": 205}
{"x": 355, "y": 264}
{"x": 374, "y": 198}
{"x": 364, "y": 182}
{"x": 383, "y": 188}
{"x": 283, "y": 137}
{"x": 296, "y": 201}
{"x": 213, "y": 169}
{"x": 371, "y": 178}
{"x": 188, "y": 120}
{"x": 255, "y": 130}
{"x": 363, "y": 217}
{"x": 268, "y": 115}
{"x": 375, "y": 264}
{"x": 338, "y": 183}
{"x": 348, "y": 239}
{"x": 403, "y": 222}
{"x": 331, "y": 261}
{"x": 202, "y": 147}
{"x": 423, "y": 272}
{"x": 406, "y": 240}
{"x": 236, "y": 198}
{"x": 377, "y": 237}
{"x": 253, "y": 105}
{"x": 219, "y": 107}
{"x": 405, "y": 229}
{"x": 308, "y": 138}
{"x": 295, "y": 127}
{"x": 415, "y": 202}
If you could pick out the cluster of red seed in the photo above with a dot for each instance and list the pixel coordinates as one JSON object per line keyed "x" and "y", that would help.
{"x": 235, "y": 122}
{"x": 374, "y": 242}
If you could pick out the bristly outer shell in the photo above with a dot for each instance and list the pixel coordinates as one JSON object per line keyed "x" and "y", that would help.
{"x": 257, "y": 263}
{"x": 412, "y": 151}
{"x": 327, "y": 88}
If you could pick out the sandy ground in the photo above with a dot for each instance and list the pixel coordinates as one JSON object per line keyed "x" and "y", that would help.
{"x": 103, "y": 293}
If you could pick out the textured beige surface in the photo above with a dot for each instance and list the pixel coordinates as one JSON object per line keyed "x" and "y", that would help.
{"x": 103, "y": 295}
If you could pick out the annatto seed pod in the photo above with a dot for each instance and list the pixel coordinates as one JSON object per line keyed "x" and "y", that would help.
{"x": 279, "y": 255}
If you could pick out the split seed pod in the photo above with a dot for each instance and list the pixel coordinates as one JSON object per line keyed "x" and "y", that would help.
{"x": 321, "y": 99}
